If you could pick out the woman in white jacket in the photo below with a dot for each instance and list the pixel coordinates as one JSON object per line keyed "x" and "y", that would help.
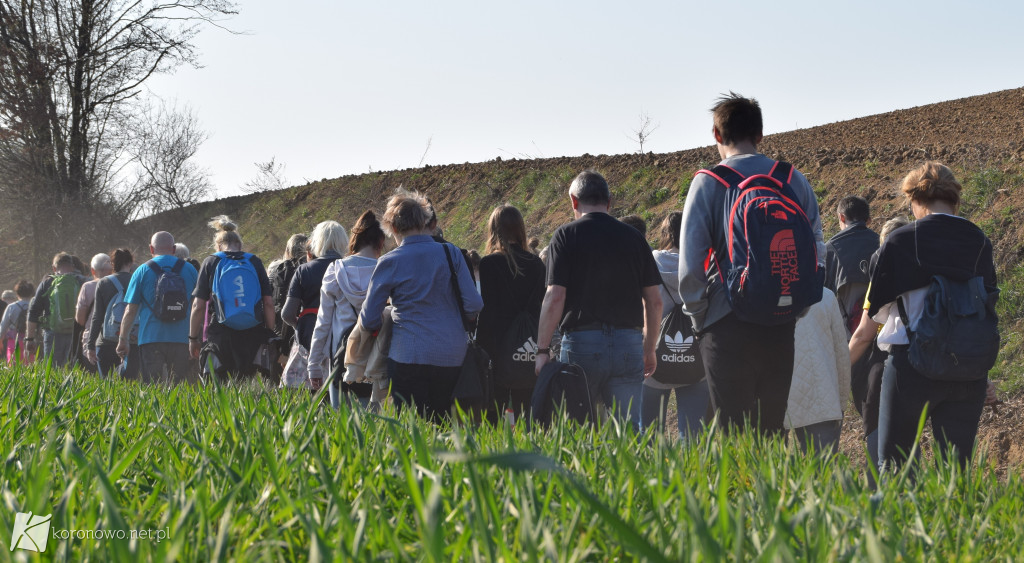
{"x": 821, "y": 376}
{"x": 341, "y": 296}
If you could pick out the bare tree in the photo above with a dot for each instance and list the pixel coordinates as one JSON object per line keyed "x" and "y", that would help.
{"x": 425, "y": 151}
{"x": 163, "y": 144}
{"x": 643, "y": 131}
{"x": 70, "y": 71}
{"x": 269, "y": 177}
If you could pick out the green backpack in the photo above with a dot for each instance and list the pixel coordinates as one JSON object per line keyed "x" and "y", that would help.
{"x": 63, "y": 300}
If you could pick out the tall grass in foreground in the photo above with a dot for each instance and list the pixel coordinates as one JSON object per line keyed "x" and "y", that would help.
{"x": 252, "y": 474}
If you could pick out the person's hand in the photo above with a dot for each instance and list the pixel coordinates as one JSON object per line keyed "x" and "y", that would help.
{"x": 122, "y": 347}
{"x": 31, "y": 345}
{"x": 193, "y": 349}
{"x": 315, "y": 383}
{"x": 542, "y": 359}
{"x": 650, "y": 362}
{"x": 91, "y": 356}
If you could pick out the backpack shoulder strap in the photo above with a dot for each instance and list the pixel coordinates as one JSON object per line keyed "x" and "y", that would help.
{"x": 178, "y": 266}
{"x": 725, "y": 175}
{"x": 665, "y": 285}
{"x": 117, "y": 283}
{"x": 903, "y": 314}
{"x": 154, "y": 267}
{"x": 782, "y": 171}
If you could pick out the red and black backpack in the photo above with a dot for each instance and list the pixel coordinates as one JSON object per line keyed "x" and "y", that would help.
{"x": 769, "y": 263}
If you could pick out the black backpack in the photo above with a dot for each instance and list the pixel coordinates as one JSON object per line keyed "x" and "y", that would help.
{"x": 957, "y": 336}
{"x": 517, "y": 351}
{"x": 679, "y": 361}
{"x": 280, "y": 279}
{"x": 170, "y": 300}
{"x": 562, "y": 386}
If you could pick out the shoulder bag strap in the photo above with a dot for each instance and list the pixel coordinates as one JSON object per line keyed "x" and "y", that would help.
{"x": 455, "y": 286}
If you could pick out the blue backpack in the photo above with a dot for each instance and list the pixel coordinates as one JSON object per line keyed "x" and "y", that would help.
{"x": 170, "y": 299}
{"x": 957, "y": 336}
{"x": 115, "y": 312}
{"x": 237, "y": 292}
{"x": 769, "y": 265}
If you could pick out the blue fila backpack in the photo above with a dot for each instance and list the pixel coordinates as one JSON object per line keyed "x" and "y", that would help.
{"x": 237, "y": 292}
{"x": 769, "y": 265}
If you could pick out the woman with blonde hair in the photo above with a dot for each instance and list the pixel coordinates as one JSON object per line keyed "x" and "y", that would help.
{"x": 512, "y": 288}
{"x": 938, "y": 243}
{"x": 342, "y": 293}
{"x": 326, "y": 244}
{"x": 428, "y": 340}
{"x": 235, "y": 283}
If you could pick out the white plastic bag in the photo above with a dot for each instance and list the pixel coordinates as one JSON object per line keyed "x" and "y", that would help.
{"x": 295, "y": 374}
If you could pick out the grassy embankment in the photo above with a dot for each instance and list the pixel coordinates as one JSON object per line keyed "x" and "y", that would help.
{"x": 254, "y": 474}
{"x": 465, "y": 195}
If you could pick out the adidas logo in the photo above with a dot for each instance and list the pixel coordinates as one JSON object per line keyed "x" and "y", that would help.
{"x": 527, "y": 352}
{"x": 677, "y": 343}
{"x": 679, "y": 346}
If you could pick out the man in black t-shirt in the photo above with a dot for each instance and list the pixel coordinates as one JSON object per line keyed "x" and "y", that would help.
{"x": 603, "y": 285}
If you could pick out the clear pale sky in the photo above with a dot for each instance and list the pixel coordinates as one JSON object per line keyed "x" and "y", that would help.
{"x": 336, "y": 87}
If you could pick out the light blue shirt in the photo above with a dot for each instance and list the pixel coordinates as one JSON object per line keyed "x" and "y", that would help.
{"x": 142, "y": 291}
{"x": 417, "y": 279}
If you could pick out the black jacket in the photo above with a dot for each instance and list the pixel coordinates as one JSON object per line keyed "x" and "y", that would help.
{"x": 935, "y": 245}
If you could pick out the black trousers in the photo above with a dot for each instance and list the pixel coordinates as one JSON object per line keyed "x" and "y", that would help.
{"x": 749, "y": 369}
{"x": 427, "y": 387}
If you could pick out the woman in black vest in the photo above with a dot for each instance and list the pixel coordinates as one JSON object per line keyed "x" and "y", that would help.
{"x": 938, "y": 243}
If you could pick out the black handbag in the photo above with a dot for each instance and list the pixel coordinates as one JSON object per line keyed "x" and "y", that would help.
{"x": 474, "y": 387}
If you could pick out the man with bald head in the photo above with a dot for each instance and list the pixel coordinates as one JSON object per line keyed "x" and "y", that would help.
{"x": 162, "y": 340}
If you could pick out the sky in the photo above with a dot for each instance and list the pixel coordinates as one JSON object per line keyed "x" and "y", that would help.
{"x": 330, "y": 88}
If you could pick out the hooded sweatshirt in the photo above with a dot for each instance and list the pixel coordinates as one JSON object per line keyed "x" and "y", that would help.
{"x": 341, "y": 297}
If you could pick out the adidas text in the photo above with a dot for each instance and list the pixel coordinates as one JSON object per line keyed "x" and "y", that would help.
{"x": 524, "y": 357}
{"x": 678, "y": 358}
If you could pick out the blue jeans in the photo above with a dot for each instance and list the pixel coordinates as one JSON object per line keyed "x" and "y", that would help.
{"x": 691, "y": 401}
{"x": 613, "y": 359}
{"x": 58, "y": 347}
{"x": 954, "y": 407}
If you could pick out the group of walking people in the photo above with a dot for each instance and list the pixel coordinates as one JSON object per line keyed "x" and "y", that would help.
{"x": 688, "y": 319}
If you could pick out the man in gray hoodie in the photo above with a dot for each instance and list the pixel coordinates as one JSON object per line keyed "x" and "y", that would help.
{"x": 749, "y": 366}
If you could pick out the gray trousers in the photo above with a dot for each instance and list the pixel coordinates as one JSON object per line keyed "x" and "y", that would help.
{"x": 166, "y": 362}
{"x": 58, "y": 347}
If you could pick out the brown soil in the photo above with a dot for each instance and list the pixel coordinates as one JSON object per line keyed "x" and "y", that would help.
{"x": 1000, "y": 437}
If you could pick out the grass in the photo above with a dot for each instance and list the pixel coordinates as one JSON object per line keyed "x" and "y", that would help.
{"x": 246, "y": 473}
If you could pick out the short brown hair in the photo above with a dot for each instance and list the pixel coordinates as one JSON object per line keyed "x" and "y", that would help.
{"x": 932, "y": 181}
{"x": 737, "y": 119}
{"x": 406, "y": 212}
{"x": 63, "y": 259}
{"x": 24, "y": 289}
